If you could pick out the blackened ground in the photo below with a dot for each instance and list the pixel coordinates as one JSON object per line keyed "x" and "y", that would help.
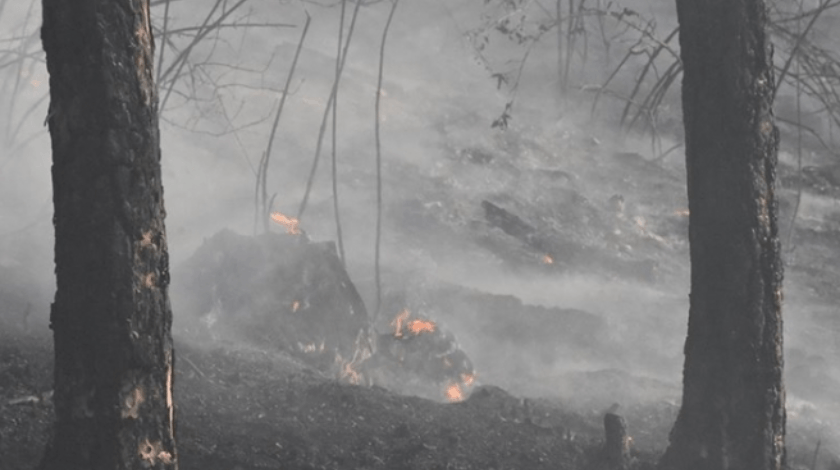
{"x": 243, "y": 409}
{"x": 248, "y": 409}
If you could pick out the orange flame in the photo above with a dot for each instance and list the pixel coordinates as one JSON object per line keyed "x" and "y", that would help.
{"x": 347, "y": 368}
{"x": 398, "y": 322}
{"x": 419, "y": 326}
{"x": 453, "y": 393}
{"x": 350, "y": 374}
{"x": 295, "y": 306}
{"x": 290, "y": 223}
{"x": 468, "y": 379}
{"x": 546, "y": 259}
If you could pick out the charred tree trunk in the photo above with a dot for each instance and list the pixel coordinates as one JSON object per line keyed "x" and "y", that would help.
{"x": 616, "y": 443}
{"x": 111, "y": 317}
{"x": 732, "y": 414}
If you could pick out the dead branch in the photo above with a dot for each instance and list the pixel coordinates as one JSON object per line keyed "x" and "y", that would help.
{"x": 379, "y": 164}
{"x": 330, "y": 101}
{"x": 336, "y": 209}
{"x": 264, "y": 169}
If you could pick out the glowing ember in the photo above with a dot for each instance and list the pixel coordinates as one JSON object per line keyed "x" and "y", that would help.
{"x": 398, "y": 322}
{"x": 295, "y": 306}
{"x": 546, "y": 259}
{"x": 468, "y": 379}
{"x": 453, "y": 393}
{"x": 290, "y": 223}
{"x": 419, "y": 326}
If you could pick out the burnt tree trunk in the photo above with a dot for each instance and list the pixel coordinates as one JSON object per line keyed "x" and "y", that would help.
{"x": 732, "y": 414}
{"x": 111, "y": 316}
{"x": 616, "y": 442}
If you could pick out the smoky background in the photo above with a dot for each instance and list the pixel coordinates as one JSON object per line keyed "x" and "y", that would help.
{"x": 452, "y": 70}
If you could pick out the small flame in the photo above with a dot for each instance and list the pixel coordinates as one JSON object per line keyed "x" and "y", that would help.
{"x": 547, "y": 259}
{"x": 398, "y": 322}
{"x": 290, "y": 223}
{"x": 419, "y": 326}
{"x": 468, "y": 379}
{"x": 295, "y": 306}
{"x": 350, "y": 374}
{"x": 681, "y": 212}
{"x": 453, "y": 393}
{"x": 362, "y": 353}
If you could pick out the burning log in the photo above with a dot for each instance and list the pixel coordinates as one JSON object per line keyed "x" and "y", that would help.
{"x": 419, "y": 357}
{"x": 513, "y": 225}
{"x": 278, "y": 291}
{"x": 281, "y": 291}
{"x": 555, "y": 252}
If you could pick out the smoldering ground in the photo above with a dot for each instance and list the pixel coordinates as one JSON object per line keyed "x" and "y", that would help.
{"x": 623, "y": 267}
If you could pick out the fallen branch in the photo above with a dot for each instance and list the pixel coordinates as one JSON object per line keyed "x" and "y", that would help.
{"x": 31, "y": 399}
{"x": 192, "y": 364}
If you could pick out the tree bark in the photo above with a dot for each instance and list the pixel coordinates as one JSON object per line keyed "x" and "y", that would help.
{"x": 111, "y": 316}
{"x": 732, "y": 414}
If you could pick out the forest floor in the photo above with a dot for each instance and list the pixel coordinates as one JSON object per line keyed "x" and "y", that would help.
{"x": 535, "y": 217}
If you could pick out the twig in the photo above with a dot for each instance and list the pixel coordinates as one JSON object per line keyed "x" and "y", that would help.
{"x": 21, "y": 61}
{"x": 188, "y": 29}
{"x": 183, "y": 54}
{"x": 31, "y": 399}
{"x": 181, "y": 60}
{"x": 192, "y": 364}
{"x": 379, "y": 164}
{"x": 646, "y": 69}
{"x": 664, "y": 154}
{"x": 821, "y": 8}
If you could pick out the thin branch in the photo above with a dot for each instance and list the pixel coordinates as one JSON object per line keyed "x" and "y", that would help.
{"x": 801, "y": 37}
{"x": 323, "y": 128}
{"x": 379, "y": 165}
{"x": 291, "y": 73}
{"x": 189, "y": 29}
{"x": 181, "y": 60}
{"x": 163, "y": 43}
{"x": 336, "y": 210}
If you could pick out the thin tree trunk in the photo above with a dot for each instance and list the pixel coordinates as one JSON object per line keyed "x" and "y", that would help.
{"x": 732, "y": 414}
{"x": 111, "y": 316}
